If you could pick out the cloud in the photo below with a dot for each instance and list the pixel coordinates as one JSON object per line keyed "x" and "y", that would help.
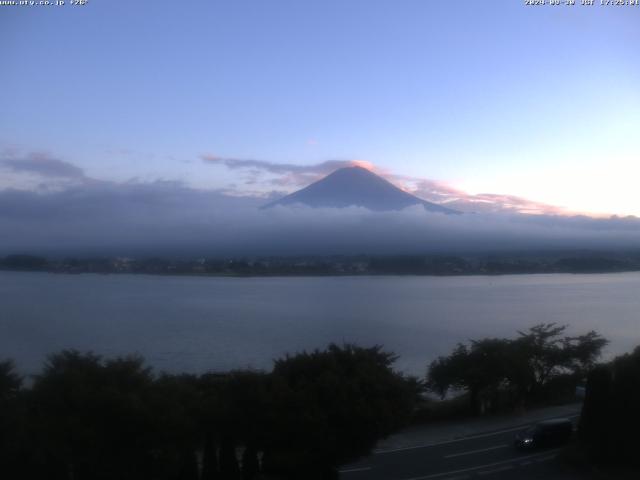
{"x": 44, "y": 165}
{"x": 480, "y": 203}
{"x": 109, "y": 217}
{"x": 291, "y": 177}
{"x": 287, "y": 174}
{"x": 322, "y": 168}
{"x": 170, "y": 218}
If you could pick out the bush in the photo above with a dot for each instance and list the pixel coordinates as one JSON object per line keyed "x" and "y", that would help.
{"x": 90, "y": 418}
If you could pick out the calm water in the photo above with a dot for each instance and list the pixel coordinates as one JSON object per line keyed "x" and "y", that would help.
{"x": 197, "y": 324}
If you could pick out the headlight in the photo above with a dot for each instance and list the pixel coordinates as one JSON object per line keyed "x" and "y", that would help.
{"x": 527, "y": 441}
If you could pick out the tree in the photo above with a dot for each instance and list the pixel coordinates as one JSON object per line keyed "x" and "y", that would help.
{"x": 246, "y": 418}
{"x": 86, "y": 417}
{"x": 92, "y": 418}
{"x": 545, "y": 354}
{"x": 10, "y": 381}
{"x": 479, "y": 368}
{"x": 173, "y": 404}
{"x": 12, "y": 417}
{"x": 610, "y": 418}
{"x": 583, "y": 351}
{"x": 330, "y": 407}
{"x": 595, "y": 418}
{"x": 522, "y": 367}
{"x": 233, "y": 414}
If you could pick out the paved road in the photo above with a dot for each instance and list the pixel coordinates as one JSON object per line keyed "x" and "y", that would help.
{"x": 488, "y": 455}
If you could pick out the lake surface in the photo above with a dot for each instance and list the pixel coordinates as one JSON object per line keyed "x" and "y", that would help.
{"x": 197, "y": 324}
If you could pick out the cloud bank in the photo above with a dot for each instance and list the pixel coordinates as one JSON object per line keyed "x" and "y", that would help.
{"x": 169, "y": 218}
{"x": 85, "y": 215}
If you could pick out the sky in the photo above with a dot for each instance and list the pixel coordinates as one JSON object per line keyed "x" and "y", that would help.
{"x": 489, "y": 99}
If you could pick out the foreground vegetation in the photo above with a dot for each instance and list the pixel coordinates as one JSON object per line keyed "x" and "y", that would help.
{"x": 609, "y": 430}
{"x": 541, "y": 365}
{"x": 85, "y": 417}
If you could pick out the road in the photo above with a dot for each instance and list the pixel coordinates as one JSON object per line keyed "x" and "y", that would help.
{"x": 485, "y": 456}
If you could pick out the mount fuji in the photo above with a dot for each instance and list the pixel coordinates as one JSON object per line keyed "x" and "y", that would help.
{"x": 356, "y": 186}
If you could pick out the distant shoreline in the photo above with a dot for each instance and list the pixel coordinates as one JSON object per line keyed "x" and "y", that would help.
{"x": 336, "y": 266}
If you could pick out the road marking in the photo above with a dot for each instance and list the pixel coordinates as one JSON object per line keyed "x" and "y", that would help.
{"x": 545, "y": 459}
{"x": 480, "y": 467}
{"x": 427, "y": 445}
{"x": 472, "y": 437}
{"x": 471, "y": 452}
{"x": 351, "y": 470}
{"x": 496, "y": 470}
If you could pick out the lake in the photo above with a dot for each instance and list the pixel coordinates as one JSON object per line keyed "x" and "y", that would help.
{"x": 197, "y": 324}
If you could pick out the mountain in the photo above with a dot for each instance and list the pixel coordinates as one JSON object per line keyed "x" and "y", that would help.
{"x": 356, "y": 186}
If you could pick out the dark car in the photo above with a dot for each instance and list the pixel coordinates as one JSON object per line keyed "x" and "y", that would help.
{"x": 549, "y": 433}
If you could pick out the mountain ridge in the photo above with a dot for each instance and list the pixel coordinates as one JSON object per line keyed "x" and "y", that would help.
{"x": 356, "y": 186}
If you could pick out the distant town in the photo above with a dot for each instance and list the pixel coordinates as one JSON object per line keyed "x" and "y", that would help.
{"x": 472, "y": 264}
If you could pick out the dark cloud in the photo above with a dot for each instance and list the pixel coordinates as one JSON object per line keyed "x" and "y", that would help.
{"x": 171, "y": 218}
{"x": 111, "y": 216}
{"x": 44, "y": 165}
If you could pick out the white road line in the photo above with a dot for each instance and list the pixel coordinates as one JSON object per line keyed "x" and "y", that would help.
{"x": 496, "y": 470}
{"x": 427, "y": 445}
{"x": 472, "y": 437}
{"x": 471, "y": 452}
{"x": 351, "y": 470}
{"x": 545, "y": 459}
{"x": 480, "y": 467}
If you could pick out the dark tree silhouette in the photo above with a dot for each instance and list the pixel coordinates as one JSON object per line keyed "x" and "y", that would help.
{"x": 522, "y": 368}
{"x": 10, "y": 381}
{"x": 479, "y": 368}
{"x": 89, "y": 418}
{"x": 610, "y": 419}
{"x": 250, "y": 464}
{"x": 229, "y": 468}
{"x": 332, "y": 406}
{"x": 596, "y": 414}
{"x": 233, "y": 413}
{"x": 210, "y": 467}
{"x": 173, "y": 405}
{"x": 12, "y": 414}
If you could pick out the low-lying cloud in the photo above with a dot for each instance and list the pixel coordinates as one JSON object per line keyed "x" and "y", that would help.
{"x": 171, "y": 218}
{"x": 71, "y": 213}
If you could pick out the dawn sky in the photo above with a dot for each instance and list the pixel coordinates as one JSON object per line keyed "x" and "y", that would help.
{"x": 486, "y": 97}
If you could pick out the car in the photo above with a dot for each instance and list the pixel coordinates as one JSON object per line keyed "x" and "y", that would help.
{"x": 548, "y": 433}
